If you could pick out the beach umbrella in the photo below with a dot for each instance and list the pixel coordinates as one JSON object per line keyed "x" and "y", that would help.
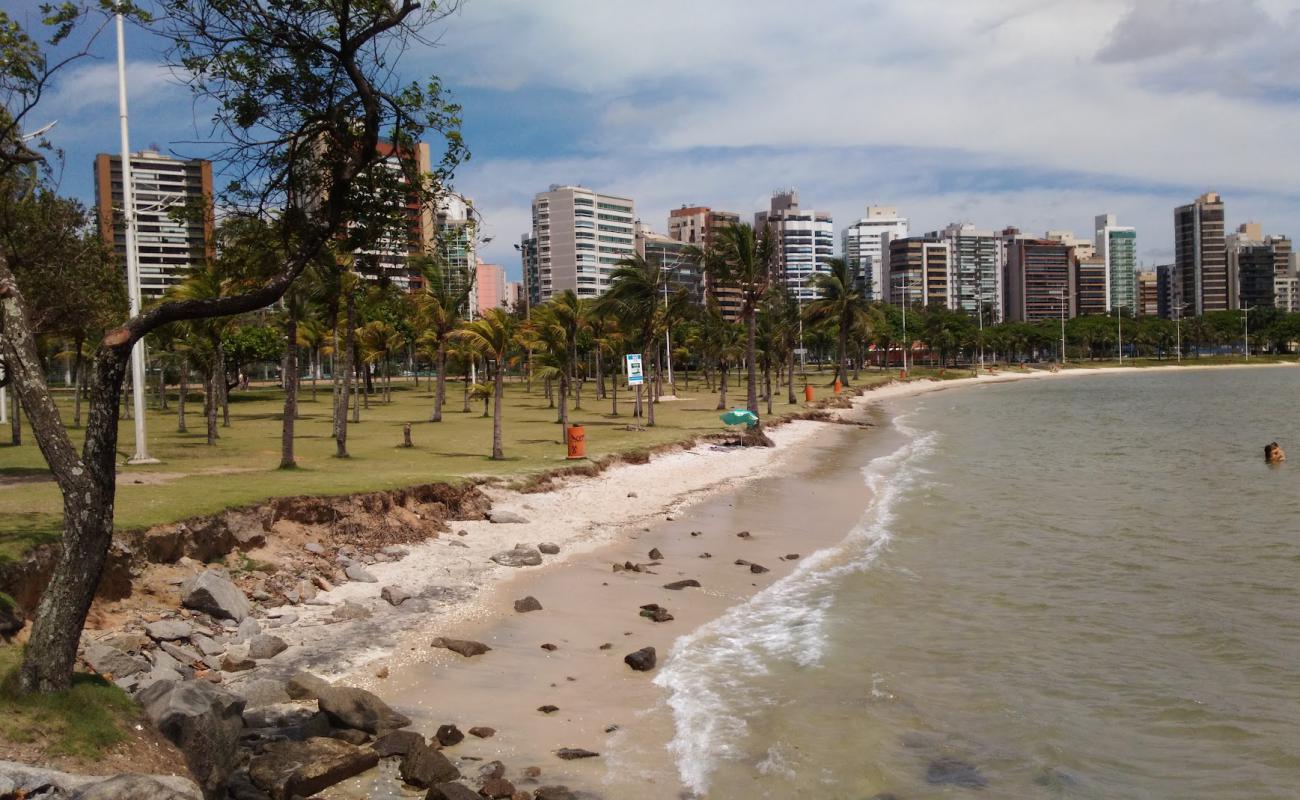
{"x": 740, "y": 416}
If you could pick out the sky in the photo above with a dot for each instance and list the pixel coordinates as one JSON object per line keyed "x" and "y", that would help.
{"x": 1036, "y": 113}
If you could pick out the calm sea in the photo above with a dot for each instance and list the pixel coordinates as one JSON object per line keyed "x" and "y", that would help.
{"x": 1077, "y": 588}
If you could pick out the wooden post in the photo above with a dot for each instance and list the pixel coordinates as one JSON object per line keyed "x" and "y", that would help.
{"x": 406, "y": 435}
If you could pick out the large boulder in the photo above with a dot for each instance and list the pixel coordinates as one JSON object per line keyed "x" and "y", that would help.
{"x": 397, "y": 743}
{"x": 214, "y": 594}
{"x": 425, "y": 766}
{"x": 349, "y": 707}
{"x": 204, "y": 722}
{"x": 642, "y": 660}
{"x": 133, "y": 787}
{"x": 529, "y": 603}
{"x": 521, "y": 556}
{"x": 305, "y": 686}
{"x": 286, "y": 770}
{"x": 451, "y": 791}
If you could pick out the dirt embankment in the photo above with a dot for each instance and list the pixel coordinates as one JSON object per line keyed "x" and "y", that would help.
{"x": 261, "y": 544}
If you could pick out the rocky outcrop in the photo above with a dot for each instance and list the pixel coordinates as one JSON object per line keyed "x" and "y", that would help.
{"x": 521, "y": 556}
{"x": 425, "y": 767}
{"x": 642, "y": 660}
{"x": 22, "y": 780}
{"x": 349, "y": 707}
{"x": 204, "y": 722}
{"x": 464, "y": 647}
{"x": 287, "y": 770}
{"x": 214, "y": 594}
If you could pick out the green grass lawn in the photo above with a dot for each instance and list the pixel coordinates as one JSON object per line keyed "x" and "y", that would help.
{"x": 196, "y": 479}
{"x": 83, "y": 722}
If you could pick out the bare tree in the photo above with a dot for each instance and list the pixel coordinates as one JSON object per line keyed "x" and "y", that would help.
{"x": 302, "y": 92}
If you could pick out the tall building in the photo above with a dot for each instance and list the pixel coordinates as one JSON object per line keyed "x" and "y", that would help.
{"x": 975, "y": 271}
{"x": 173, "y": 214}
{"x": 1167, "y": 291}
{"x": 1040, "y": 279}
{"x": 866, "y": 247}
{"x": 1090, "y": 289}
{"x": 1250, "y": 267}
{"x": 677, "y": 260}
{"x": 581, "y": 235}
{"x": 455, "y": 237}
{"x": 490, "y": 287}
{"x": 1117, "y": 246}
{"x": 1148, "y": 294}
{"x": 387, "y": 258}
{"x": 699, "y": 226}
{"x": 918, "y": 272}
{"x": 1200, "y": 256}
{"x": 805, "y": 241}
{"x": 531, "y": 289}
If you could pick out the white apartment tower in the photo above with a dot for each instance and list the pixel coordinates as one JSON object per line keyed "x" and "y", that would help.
{"x": 1117, "y": 246}
{"x": 866, "y": 247}
{"x": 805, "y": 241}
{"x": 580, "y": 236}
{"x": 974, "y": 270}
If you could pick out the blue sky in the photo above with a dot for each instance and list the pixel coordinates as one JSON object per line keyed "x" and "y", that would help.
{"x": 1034, "y": 113}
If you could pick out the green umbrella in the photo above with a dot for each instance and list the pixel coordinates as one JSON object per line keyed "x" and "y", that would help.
{"x": 740, "y": 416}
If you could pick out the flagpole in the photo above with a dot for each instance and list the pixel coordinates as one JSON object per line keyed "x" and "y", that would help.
{"x": 132, "y": 256}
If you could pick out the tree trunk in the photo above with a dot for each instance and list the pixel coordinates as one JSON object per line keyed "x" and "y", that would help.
{"x": 600, "y": 376}
{"x": 440, "y": 392}
{"x": 789, "y": 373}
{"x": 16, "y": 422}
{"x": 290, "y": 396}
{"x": 767, "y": 385}
{"x": 613, "y": 405}
{"x": 651, "y": 401}
{"x": 210, "y": 403}
{"x": 162, "y": 386}
{"x": 722, "y": 386}
{"x": 498, "y": 392}
{"x": 842, "y": 343}
{"x": 344, "y": 378}
{"x": 223, "y": 389}
{"x": 314, "y": 365}
{"x": 466, "y": 408}
{"x": 184, "y": 390}
{"x": 78, "y": 367}
{"x": 751, "y": 389}
{"x": 563, "y": 417}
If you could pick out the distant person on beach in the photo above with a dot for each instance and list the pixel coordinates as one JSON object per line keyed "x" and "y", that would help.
{"x": 1274, "y": 454}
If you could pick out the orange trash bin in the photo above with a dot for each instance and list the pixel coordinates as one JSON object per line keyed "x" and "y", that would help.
{"x": 577, "y": 441}
{"x": 839, "y": 387}
{"x": 808, "y": 392}
{"x": 902, "y": 374}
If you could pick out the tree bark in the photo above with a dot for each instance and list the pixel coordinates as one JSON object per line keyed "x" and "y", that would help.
{"x": 16, "y": 422}
{"x": 440, "y": 391}
{"x": 498, "y": 392}
{"x": 223, "y": 388}
{"x": 751, "y": 394}
{"x": 722, "y": 386}
{"x": 651, "y": 401}
{"x": 210, "y": 404}
{"x": 290, "y": 395}
{"x": 789, "y": 374}
{"x": 345, "y": 386}
{"x": 184, "y": 390}
{"x": 79, "y": 380}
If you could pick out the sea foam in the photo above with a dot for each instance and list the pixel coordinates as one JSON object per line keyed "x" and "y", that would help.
{"x": 709, "y": 673}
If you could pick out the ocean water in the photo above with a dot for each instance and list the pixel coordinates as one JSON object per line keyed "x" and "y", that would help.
{"x": 1076, "y": 588}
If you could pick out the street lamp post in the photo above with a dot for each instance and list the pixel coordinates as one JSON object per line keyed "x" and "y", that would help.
{"x": 1245, "y": 322}
{"x": 1178, "y": 330}
{"x": 905, "y": 282}
{"x": 141, "y": 455}
{"x": 1119, "y": 336}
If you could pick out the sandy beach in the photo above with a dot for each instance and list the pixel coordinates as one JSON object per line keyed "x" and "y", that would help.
{"x": 684, "y": 504}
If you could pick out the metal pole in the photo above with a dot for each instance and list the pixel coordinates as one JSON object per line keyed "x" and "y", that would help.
{"x": 906, "y": 284}
{"x": 1119, "y": 320}
{"x": 668, "y": 334}
{"x": 132, "y": 257}
{"x": 1178, "y": 333}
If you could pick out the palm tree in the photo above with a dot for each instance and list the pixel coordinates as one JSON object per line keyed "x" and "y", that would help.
{"x": 296, "y": 311}
{"x": 378, "y": 341}
{"x": 493, "y": 335}
{"x": 203, "y": 337}
{"x": 554, "y": 330}
{"x": 440, "y": 308}
{"x": 634, "y": 297}
{"x": 842, "y": 304}
{"x": 743, "y": 258}
{"x": 723, "y": 344}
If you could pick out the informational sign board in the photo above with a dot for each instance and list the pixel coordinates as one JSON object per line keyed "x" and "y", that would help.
{"x": 635, "y": 377}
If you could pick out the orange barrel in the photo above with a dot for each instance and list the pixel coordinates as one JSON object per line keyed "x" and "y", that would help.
{"x": 577, "y": 440}
{"x": 902, "y": 374}
{"x": 838, "y": 386}
{"x": 808, "y": 392}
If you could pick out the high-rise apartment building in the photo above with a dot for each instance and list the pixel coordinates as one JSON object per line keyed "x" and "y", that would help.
{"x": 515, "y": 296}
{"x": 866, "y": 248}
{"x": 388, "y": 257}
{"x": 1200, "y": 256}
{"x": 678, "y": 261}
{"x": 1117, "y": 246}
{"x": 1167, "y": 292}
{"x": 805, "y": 241}
{"x": 455, "y": 238}
{"x": 918, "y": 272}
{"x": 581, "y": 235}
{"x": 173, "y": 215}
{"x": 1040, "y": 279}
{"x": 1090, "y": 285}
{"x": 530, "y": 270}
{"x": 489, "y": 287}
{"x": 1148, "y": 294}
{"x": 699, "y": 226}
{"x": 975, "y": 270}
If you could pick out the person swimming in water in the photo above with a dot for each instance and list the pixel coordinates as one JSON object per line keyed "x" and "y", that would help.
{"x": 1273, "y": 453}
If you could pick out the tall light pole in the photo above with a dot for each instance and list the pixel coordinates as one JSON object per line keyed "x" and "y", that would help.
{"x": 1245, "y": 322}
{"x": 1178, "y": 330}
{"x": 905, "y": 281}
{"x": 132, "y": 257}
{"x": 1119, "y": 336}
{"x": 1060, "y": 293}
